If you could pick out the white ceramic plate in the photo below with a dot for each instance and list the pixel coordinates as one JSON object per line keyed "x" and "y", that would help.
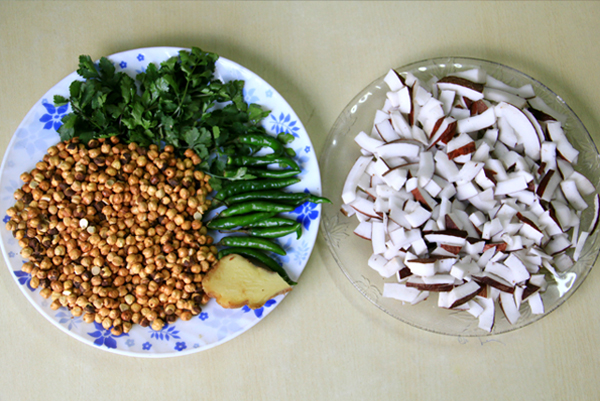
{"x": 214, "y": 325}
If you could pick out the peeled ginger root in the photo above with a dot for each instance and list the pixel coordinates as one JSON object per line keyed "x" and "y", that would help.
{"x": 235, "y": 281}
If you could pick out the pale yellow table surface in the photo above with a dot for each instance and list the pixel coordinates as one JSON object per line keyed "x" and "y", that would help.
{"x": 325, "y": 341}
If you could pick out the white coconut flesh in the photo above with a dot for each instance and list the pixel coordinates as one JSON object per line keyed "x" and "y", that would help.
{"x": 468, "y": 196}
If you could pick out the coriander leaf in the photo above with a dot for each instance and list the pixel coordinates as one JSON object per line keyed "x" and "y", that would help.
{"x": 172, "y": 138}
{"x": 216, "y": 183}
{"x": 136, "y": 113}
{"x": 140, "y": 138}
{"x": 191, "y": 136}
{"x": 218, "y": 164}
{"x": 161, "y": 85}
{"x": 168, "y": 65}
{"x": 234, "y": 91}
{"x": 256, "y": 113}
{"x": 241, "y": 174}
{"x": 98, "y": 100}
{"x": 170, "y": 80}
{"x": 89, "y": 90}
{"x": 129, "y": 123}
{"x": 167, "y": 123}
{"x": 99, "y": 118}
{"x": 115, "y": 111}
{"x": 66, "y": 130}
{"x": 75, "y": 88}
{"x": 107, "y": 68}
{"x": 249, "y": 177}
{"x": 146, "y": 98}
{"x": 205, "y": 136}
{"x": 60, "y": 100}
{"x": 87, "y": 68}
{"x": 87, "y": 136}
{"x": 201, "y": 151}
{"x": 128, "y": 89}
{"x": 198, "y": 140}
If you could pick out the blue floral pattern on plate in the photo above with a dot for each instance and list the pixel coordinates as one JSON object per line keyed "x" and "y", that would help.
{"x": 306, "y": 213}
{"x": 259, "y": 311}
{"x": 66, "y": 318}
{"x": 104, "y": 337}
{"x": 284, "y": 123}
{"x": 214, "y": 325}
{"x": 180, "y": 346}
{"x": 52, "y": 119}
{"x": 250, "y": 97}
{"x": 166, "y": 333}
{"x": 24, "y": 279}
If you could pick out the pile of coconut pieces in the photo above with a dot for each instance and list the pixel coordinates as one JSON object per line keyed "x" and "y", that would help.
{"x": 466, "y": 188}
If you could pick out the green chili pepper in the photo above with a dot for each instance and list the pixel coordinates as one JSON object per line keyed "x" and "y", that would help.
{"x": 296, "y": 198}
{"x": 264, "y": 173}
{"x": 238, "y": 187}
{"x": 253, "y": 242}
{"x": 318, "y": 199}
{"x": 260, "y": 257}
{"x": 225, "y": 223}
{"x": 273, "y": 158}
{"x": 274, "y": 195}
{"x": 262, "y": 141}
{"x": 256, "y": 206}
{"x": 275, "y": 232}
{"x": 271, "y": 222}
{"x": 299, "y": 231}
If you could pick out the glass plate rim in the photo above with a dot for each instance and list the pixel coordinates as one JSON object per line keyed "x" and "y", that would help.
{"x": 411, "y": 67}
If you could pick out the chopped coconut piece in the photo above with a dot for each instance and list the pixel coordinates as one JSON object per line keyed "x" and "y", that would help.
{"x": 400, "y": 292}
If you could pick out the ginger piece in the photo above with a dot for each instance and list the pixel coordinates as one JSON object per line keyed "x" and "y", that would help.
{"x": 235, "y": 281}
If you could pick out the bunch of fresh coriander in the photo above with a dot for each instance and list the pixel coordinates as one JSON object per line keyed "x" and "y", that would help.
{"x": 180, "y": 103}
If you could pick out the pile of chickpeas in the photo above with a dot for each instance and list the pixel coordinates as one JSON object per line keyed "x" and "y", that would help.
{"x": 113, "y": 232}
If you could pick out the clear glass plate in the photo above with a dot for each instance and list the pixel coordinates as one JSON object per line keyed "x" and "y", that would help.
{"x": 214, "y": 325}
{"x": 351, "y": 252}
